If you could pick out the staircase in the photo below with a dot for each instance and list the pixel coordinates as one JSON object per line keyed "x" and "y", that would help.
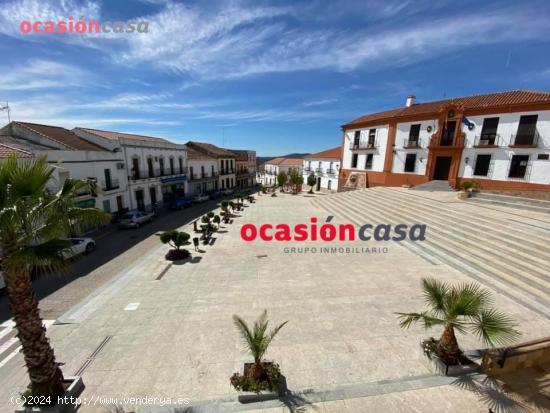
{"x": 485, "y": 198}
{"x": 512, "y": 259}
{"x": 434, "y": 186}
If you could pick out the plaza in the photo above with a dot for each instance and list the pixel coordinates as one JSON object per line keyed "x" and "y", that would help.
{"x": 166, "y": 331}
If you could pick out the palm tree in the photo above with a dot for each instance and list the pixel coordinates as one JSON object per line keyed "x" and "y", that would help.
{"x": 257, "y": 340}
{"x": 33, "y": 224}
{"x": 464, "y": 307}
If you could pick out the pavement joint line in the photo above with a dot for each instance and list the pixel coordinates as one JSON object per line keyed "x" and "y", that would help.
{"x": 91, "y": 303}
{"x": 310, "y": 396}
{"x": 92, "y": 356}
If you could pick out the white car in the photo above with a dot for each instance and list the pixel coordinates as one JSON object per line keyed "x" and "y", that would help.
{"x": 200, "y": 198}
{"x": 134, "y": 219}
{"x": 79, "y": 246}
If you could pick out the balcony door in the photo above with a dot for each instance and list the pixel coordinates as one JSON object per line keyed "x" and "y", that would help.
{"x": 489, "y": 131}
{"x": 448, "y": 133}
{"x": 526, "y": 130}
{"x": 108, "y": 182}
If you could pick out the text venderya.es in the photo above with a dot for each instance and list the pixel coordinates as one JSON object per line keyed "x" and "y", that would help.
{"x": 314, "y": 231}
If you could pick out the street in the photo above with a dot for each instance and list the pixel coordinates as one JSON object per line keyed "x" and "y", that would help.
{"x": 116, "y": 250}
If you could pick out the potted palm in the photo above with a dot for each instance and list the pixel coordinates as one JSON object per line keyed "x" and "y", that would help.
{"x": 260, "y": 380}
{"x": 463, "y": 307}
{"x": 176, "y": 239}
{"x": 34, "y": 224}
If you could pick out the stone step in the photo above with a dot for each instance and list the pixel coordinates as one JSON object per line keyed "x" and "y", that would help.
{"x": 477, "y": 246}
{"x": 539, "y": 251}
{"x": 435, "y": 254}
{"x": 509, "y": 198}
{"x": 520, "y": 235}
{"x": 434, "y": 186}
{"x": 509, "y": 204}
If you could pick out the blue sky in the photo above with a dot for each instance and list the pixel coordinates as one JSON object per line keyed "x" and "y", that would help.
{"x": 276, "y": 76}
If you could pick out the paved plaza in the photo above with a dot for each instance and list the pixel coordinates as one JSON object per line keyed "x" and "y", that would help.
{"x": 166, "y": 331}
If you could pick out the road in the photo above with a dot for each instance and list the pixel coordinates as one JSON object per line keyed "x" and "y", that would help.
{"x": 116, "y": 250}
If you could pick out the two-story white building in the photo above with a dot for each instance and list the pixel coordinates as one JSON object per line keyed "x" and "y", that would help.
{"x": 325, "y": 166}
{"x": 203, "y": 173}
{"x": 75, "y": 158}
{"x": 226, "y": 162}
{"x": 272, "y": 168}
{"x": 500, "y": 140}
{"x": 156, "y": 168}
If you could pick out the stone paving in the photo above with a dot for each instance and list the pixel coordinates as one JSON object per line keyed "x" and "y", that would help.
{"x": 174, "y": 337}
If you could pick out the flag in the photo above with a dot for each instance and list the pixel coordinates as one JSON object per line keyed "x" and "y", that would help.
{"x": 467, "y": 122}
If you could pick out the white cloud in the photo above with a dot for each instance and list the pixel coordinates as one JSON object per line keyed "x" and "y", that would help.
{"x": 42, "y": 74}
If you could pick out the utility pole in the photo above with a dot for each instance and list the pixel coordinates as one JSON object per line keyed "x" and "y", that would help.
{"x": 7, "y": 108}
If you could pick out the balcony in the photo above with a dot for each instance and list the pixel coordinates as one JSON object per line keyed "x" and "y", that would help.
{"x": 110, "y": 185}
{"x": 525, "y": 140}
{"x": 332, "y": 172}
{"x": 154, "y": 173}
{"x": 369, "y": 145}
{"x": 308, "y": 169}
{"x": 319, "y": 171}
{"x": 445, "y": 141}
{"x": 227, "y": 171}
{"x": 487, "y": 140}
{"x": 412, "y": 144}
{"x": 202, "y": 177}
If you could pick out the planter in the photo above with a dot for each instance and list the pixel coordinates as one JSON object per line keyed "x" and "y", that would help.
{"x": 464, "y": 195}
{"x": 439, "y": 366}
{"x": 279, "y": 391}
{"x": 74, "y": 385}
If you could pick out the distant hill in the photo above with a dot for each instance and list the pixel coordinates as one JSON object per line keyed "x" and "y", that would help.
{"x": 264, "y": 159}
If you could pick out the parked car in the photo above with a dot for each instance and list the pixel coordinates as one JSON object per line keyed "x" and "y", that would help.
{"x": 134, "y": 219}
{"x": 227, "y": 191}
{"x": 180, "y": 203}
{"x": 200, "y": 198}
{"x": 79, "y": 246}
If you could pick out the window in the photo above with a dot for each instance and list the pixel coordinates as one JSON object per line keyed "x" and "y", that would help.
{"x": 372, "y": 137}
{"x": 368, "y": 161}
{"x": 489, "y": 131}
{"x": 414, "y": 133}
{"x": 356, "y": 138}
{"x": 527, "y": 130}
{"x": 150, "y": 167}
{"x": 482, "y": 165}
{"x": 161, "y": 165}
{"x": 354, "y": 160}
{"x": 410, "y": 162}
{"x": 172, "y": 171}
{"x": 202, "y": 171}
{"x": 191, "y": 172}
{"x": 135, "y": 168}
{"x": 107, "y": 206}
{"x": 180, "y": 161}
{"x": 211, "y": 170}
{"x": 518, "y": 166}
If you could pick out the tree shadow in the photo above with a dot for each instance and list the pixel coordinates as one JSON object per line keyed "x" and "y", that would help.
{"x": 491, "y": 393}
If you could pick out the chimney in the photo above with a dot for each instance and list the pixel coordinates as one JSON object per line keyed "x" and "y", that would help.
{"x": 411, "y": 100}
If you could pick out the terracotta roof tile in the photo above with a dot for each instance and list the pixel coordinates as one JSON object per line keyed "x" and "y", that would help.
{"x": 210, "y": 149}
{"x": 193, "y": 154}
{"x": 292, "y": 162}
{"x": 334, "y": 153}
{"x": 61, "y": 135}
{"x": 496, "y": 100}
{"x": 274, "y": 161}
{"x": 7, "y": 151}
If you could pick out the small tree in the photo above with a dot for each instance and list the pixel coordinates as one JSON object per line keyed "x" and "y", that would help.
{"x": 257, "y": 339}
{"x": 464, "y": 307}
{"x": 282, "y": 179}
{"x": 176, "y": 239}
{"x": 216, "y": 220}
{"x": 311, "y": 181}
{"x": 296, "y": 179}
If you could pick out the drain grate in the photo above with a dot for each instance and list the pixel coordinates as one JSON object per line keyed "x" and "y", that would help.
{"x": 164, "y": 271}
{"x": 92, "y": 356}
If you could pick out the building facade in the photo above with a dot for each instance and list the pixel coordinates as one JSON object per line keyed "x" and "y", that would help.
{"x": 273, "y": 167}
{"x": 325, "y": 166}
{"x": 500, "y": 140}
{"x": 245, "y": 173}
{"x": 203, "y": 173}
{"x": 156, "y": 169}
{"x": 75, "y": 158}
{"x": 225, "y": 159}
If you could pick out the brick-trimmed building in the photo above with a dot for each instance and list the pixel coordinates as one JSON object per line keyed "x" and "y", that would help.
{"x": 501, "y": 140}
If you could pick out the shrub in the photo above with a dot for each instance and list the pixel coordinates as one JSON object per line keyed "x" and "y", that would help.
{"x": 176, "y": 239}
{"x": 269, "y": 383}
{"x": 210, "y": 215}
{"x": 469, "y": 185}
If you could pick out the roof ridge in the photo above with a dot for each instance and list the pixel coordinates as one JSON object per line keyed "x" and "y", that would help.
{"x": 24, "y": 124}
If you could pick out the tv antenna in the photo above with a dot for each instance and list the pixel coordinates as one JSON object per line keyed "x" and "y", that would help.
{"x": 6, "y": 108}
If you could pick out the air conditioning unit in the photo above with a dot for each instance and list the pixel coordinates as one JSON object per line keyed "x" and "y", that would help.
{"x": 120, "y": 165}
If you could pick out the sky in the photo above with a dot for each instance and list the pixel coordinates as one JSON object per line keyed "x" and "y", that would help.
{"x": 277, "y": 77}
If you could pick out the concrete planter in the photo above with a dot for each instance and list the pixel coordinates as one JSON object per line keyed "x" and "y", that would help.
{"x": 74, "y": 389}
{"x": 264, "y": 395}
{"x": 464, "y": 195}
{"x": 437, "y": 365}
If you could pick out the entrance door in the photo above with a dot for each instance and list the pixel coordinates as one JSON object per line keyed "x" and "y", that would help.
{"x": 139, "y": 200}
{"x": 119, "y": 203}
{"x": 318, "y": 183}
{"x": 329, "y": 186}
{"x": 442, "y": 167}
{"x": 153, "y": 195}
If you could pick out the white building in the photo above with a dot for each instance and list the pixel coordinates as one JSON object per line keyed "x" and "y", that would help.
{"x": 226, "y": 162}
{"x": 271, "y": 168}
{"x": 325, "y": 166}
{"x": 156, "y": 169}
{"x": 203, "y": 173}
{"x": 500, "y": 140}
{"x": 72, "y": 157}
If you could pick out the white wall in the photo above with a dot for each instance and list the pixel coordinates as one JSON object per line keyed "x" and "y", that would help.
{"x": 402, "y": 135}
{"x": 196, "y": 187}
{"x": 501, "y": 156}
{"x": 378, "y": 154}
{"x": 325, "y": 165}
